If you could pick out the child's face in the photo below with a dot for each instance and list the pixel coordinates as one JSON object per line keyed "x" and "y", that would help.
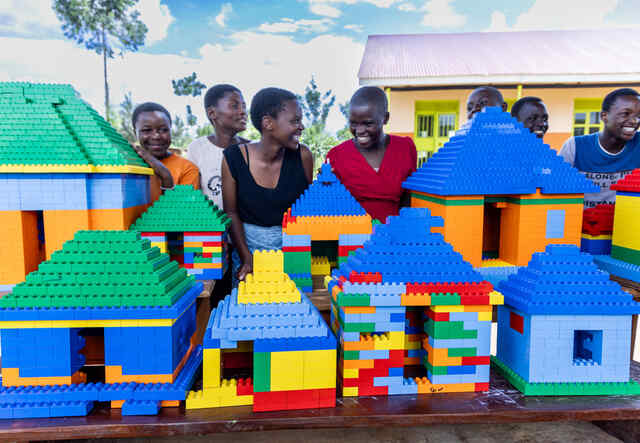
{"x": 535, "y": 118}
{"x": 366, "y": 125}
{"x": 480, "y": 99}
{"x": 229, "y": 113}
{"x": 154, "y": 133}
{"x": 287, "y": 127}
{"x": 623, "y": 118}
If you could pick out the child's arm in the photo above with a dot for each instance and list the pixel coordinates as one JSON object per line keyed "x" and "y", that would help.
{"x": 191, "y": 176}
{"x": 229, "y": 201}
{"x": 166, "y": 180}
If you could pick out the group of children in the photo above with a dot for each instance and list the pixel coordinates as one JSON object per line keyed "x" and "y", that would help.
{"x": 256, "y": 182}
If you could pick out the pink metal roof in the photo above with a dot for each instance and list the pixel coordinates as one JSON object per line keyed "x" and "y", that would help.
{"x": 508, "y": 57}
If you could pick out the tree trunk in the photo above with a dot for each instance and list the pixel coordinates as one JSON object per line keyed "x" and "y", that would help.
{"x": 106, "y": 84}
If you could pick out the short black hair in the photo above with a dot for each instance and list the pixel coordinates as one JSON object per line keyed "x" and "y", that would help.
{"x": 148, "y": 107}
{"x": 216, "y": 92}
{"x": 611, "y": 97}
{"x": 494, "y": 91}
{"x": 370, "y": 95}
{"x": 268, "y": 101}
{"x": 517, "y": 106}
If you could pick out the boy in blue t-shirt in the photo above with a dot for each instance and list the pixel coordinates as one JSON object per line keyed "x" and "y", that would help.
{"x": 607, "y": 156}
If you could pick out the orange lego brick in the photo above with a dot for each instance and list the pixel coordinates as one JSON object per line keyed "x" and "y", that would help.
{"x": 119, "y": 219}
{"x": 61, "y": 225}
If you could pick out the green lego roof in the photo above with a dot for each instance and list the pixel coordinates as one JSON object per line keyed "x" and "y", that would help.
{"x": 43, "y": 124}
{"x": 182, "y": 209}
{"x": 102, "y": 269}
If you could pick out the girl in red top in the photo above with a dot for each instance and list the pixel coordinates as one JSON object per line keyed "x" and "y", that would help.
{"x": 373, "y": 164}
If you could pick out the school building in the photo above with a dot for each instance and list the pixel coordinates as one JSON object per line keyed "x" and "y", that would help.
{"x": 428, "y": 77}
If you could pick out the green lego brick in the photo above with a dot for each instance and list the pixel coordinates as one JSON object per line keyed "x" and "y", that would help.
{"x": 435, "y": 370}
{"x": 261, "y": 371}
{"x": 607, "y": 388}
{"x": 448, "y": 329}
{"x": 625, "y": 254}
{"x": 445, "y": 299}
{"x": 297, "y": 262}
{"x": 351, "y": 355}
{"x": 462, "y": 352}
{"x": 353, "y": 299}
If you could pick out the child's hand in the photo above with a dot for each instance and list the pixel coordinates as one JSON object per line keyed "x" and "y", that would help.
{"x": 166, "y": 180}
{"x": 246, "y": 268}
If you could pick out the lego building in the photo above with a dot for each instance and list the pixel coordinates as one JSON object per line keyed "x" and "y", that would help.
{"x": 321, "y": 229}
{"x": 597, "y": 229}
{"x": 291, "y": 353}
{"x": 503, "y": 193}
{"x": 624, "y": 260}
{"x": 408, "y": 287}
{"x": 565, "y": 328}
{"x": 110, "y": 284}
{"x": 187, "y": 225}
{"x": 63, "y": 168}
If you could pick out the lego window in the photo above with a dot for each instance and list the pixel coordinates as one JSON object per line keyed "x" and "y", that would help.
{"x": 586, "y": 116}
{"x": 516, "y": 322}
{"x": 555, "y": 223}
{"x": 587, "y": 348}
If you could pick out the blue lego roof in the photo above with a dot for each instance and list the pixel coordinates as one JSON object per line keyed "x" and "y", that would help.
{"x": 405, "y": 250}
{"x": 497, "y": 155}
{"x": 562, "y": 280}
{"x": 326, "y": 196}
{"x": 231, "y": 321}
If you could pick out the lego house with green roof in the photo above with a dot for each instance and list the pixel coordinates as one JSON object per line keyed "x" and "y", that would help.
{"x": 187, "y": 225}
{"x": 63, "y": 168}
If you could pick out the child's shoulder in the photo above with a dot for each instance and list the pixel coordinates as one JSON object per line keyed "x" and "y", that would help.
{"x": 340, "y": 149}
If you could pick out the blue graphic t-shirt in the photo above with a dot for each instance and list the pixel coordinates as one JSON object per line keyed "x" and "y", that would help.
{"x": 603, "y": 168}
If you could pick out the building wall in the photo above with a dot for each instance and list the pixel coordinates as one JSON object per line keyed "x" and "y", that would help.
{"x": 559, "y": 102}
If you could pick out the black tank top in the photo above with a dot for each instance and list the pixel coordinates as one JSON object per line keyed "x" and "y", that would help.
{"x": 264, "y": 206}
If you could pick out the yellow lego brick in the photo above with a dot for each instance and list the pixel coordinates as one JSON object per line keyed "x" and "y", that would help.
{"x": 320, "y": 368}
{"x": 494, "y": 263}
{"x": 211, "y": 368}
{"x": 320, "y": 266}
{"x": 287, "y": 371}
{"x": 110, "y": 169}
{"x": 350, "y": 373}
{"x": 327, "y": 279}
{"x": 202, "y": 400}
{"x": 597, "y": 237}
{"x": 268, "y": 261}
{"x": 456, "y": 308}
{"x": 224, "y": 395}
{"x": 350, "y": 392}
{"x": 209, "y": 249}
{"x": 268, "y": 287}
{"x": 485, "y": 316}
{"x": 496, "y": 298}
{"x": 40, "y": 324}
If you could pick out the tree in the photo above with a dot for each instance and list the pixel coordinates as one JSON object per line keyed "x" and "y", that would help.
{"x": 188, "y": 86}
{"x": 125, "y": 112}
{"x": 251, "y": 133}
{"x": 316, "y": 105}
{"x": 319, "y": 142}
{"x": 101, "y": 26}
{"x": 344, "y": 133}
{"x": 180, "y": 137}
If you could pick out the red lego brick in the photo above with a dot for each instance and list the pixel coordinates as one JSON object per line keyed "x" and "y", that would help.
{"x": 296, "y": 248}
{"x": 373, "y": 390}
{"x": 467, "y": 288}
{"x": 598, "y": 220}
{"x": 480, "y": 387}
{"x": 365, "y": 277}
{"x": 630, "y": 182}
{"x": 437, "y": 316}
{"x": 475, "y": 299}
{"x": 516, "y": 322}
{"x": 211, "y": 243}
{"x": 326, "y": 398}
{"x": 343, "y": 251}
{"x": 187, "y": 265}
{"x": 207, "y": 255}
{"x": 484, "y": 360}
{"x": 269, "y": 401}
{"x": 244, "y": 387}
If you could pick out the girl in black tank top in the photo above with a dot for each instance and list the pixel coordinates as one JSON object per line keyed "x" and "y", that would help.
{"x": 260, "y": 181}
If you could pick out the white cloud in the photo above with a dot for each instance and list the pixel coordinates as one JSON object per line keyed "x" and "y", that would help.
{"x": 221, "y": 19}
{"x": 287, "y": 25}
{"x": 252, "y": 61}
{"x": 498, "y": 22}
{"x": 157, "y": 17}
{"x": 552, "y": 14}
{"x": 440, "y": 14}
{"x": 28, "y": 18}
{"x": 326, "y": 8}
{"x": 406, "y": 7}
{"x": 355, "y": 28}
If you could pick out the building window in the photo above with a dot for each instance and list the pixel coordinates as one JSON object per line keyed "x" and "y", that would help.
{"x": 586, "y": 116}
{"x": 436, "y": 120}
{"x": 555, "y": 223}
{"x": 587, "y": 348}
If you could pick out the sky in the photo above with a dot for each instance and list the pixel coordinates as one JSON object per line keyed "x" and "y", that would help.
{"x": 259, "y": 43}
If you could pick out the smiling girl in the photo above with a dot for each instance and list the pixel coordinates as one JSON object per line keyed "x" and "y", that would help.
{"x": 152, "y": 123}
{"x": 260, "y": 181}
{"x": 373, "y": 165}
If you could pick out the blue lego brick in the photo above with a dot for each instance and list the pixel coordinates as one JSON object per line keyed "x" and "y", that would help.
{"x": 296, "y": 344}
{"x": 555, "y": 223}
{"x": 374, "y": 355}
{"x": 140, "y": 407}
{"x": 350, "y": 336}
{"x": 396, "y": 372}
{"x": 352, "y": 239}
{"x": 596, "y": 246}
{"x": 549, "y": 284}
{"x": 617, "y": 267}
{"x": 70, "y": 409}
{"x": 326, "y": 196}
{"x": 115, "y": 191}
{"x": 520, "y": 163}
{"x": 116, "y": 391}
{"x": 30, "y": 410}
{"x": 481, "y": 375}
{"x": 41, "y": 192}
{"x": 496, "y": 274}
{"x": 408, "y": 386}
{"x": 295, "y": 240}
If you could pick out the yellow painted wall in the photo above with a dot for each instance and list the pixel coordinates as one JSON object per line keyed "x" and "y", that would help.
{"x": 559, "y": 102}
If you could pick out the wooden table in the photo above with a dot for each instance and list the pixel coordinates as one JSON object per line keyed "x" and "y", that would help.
{"x": 502, "y": 404}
